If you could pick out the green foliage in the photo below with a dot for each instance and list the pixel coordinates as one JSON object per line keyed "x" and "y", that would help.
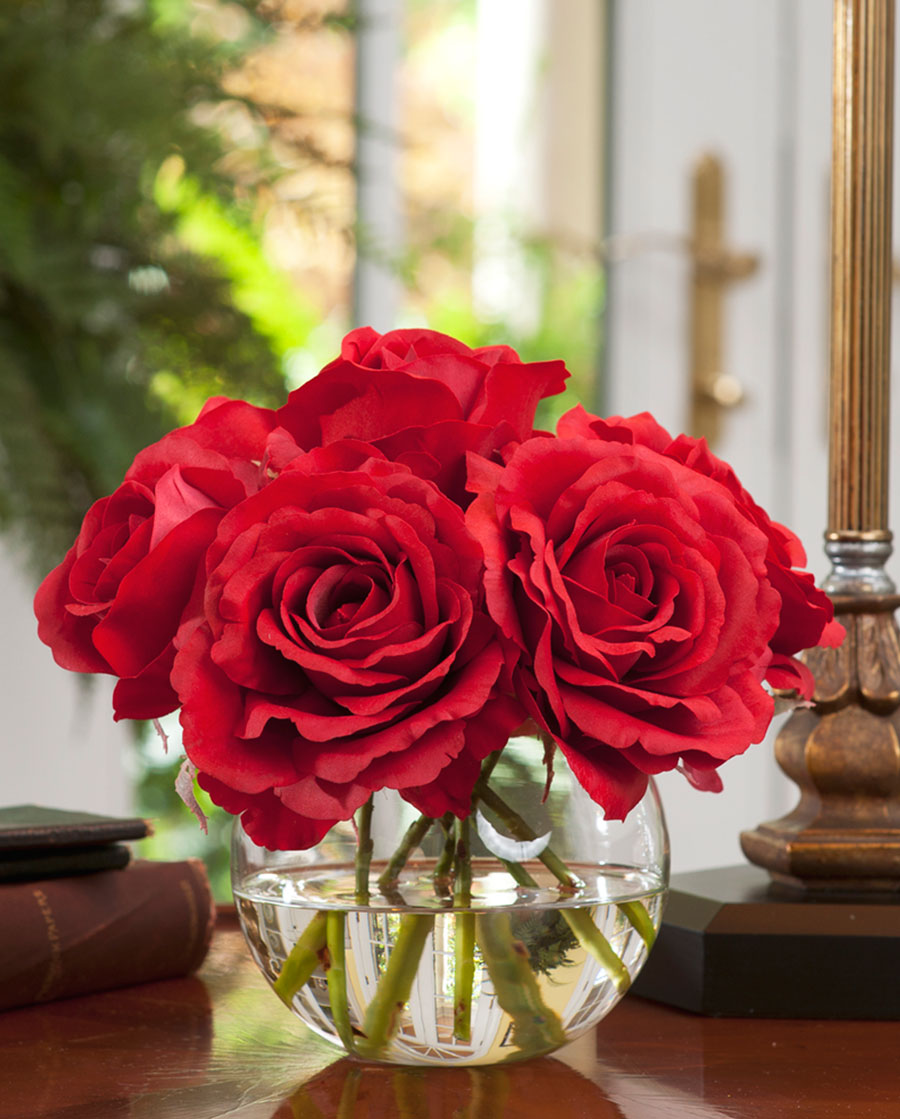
{"x": 568, "y": 325}
{"x": 132, "y": 281}
{"x": 547, "y": 939}
{"x": 113, "y": 324}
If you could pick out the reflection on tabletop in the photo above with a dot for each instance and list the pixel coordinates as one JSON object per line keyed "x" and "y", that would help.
{"x": 222, "y": 1044}
{"x": 535, "y": 1088}
{"x": 89, "y": 1056}
{"x": 642, "y": 1062}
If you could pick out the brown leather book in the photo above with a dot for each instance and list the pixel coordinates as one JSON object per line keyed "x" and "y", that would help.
{"x": 37, "y": 842}
{"x": 78, "y": 935}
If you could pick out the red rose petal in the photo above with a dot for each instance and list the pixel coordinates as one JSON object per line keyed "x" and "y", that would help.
{"x": 265, "y": 818}
{"x": 606, "y": 777}
{"x": 211, "y": 709}
{"x": 149, "y": 694}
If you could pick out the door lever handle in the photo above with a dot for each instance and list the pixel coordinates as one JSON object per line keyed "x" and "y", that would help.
{"x": 715, "y": 267}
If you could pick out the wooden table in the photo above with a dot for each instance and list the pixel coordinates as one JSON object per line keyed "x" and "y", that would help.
{"x": 221, "y": 1044}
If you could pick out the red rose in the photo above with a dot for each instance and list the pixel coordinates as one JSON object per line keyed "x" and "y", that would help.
{"x": 636, "y": 592}
{"x": 422, "y": 398}
{"x": 807, "y": 613}
{"x": 345, "y": 650}
{"x": 116, "y": 601}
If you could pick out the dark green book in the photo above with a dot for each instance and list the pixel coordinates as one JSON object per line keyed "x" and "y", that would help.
{"x": 38, "y": 842}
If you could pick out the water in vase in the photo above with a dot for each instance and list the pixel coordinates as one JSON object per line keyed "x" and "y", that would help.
{"x": 534, "y": 984}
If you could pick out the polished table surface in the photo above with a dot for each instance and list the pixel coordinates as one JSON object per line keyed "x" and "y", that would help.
{"x": 221, "y": 1044}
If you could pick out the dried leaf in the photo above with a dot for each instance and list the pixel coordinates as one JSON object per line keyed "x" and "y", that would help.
{"x": 184, "y": 786}
{"x": 158, "y": 727}
{"x": 789, "y": 701}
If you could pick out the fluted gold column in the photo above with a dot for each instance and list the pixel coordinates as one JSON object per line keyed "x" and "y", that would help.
{"x": 844, "y": 754}
{"x": 861, "y": 268}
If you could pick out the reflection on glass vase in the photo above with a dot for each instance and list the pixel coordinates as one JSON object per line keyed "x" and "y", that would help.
{"x": 463, "y": 943}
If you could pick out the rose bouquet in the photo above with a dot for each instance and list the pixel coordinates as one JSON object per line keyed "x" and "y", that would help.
{"x": 375, "y": 585}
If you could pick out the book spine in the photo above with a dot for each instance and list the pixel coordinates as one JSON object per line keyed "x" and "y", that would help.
{"x": 29, "y": 866}
{"x": 75, "y": 936}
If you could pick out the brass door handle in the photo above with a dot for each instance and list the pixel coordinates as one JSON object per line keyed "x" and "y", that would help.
{"x": 713, "y": 391}
{"x": 716, "y": 267}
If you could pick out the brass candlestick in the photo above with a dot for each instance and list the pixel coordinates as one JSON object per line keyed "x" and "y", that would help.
{"x": 736, "y": 941}
{"x": 844, "y": 753}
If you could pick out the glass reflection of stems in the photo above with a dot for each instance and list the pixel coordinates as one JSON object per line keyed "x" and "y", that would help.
{"x": 336, "y": 976}
{"x": 303, "y": 1106}
{"x": 303, "y": 960}
{"x": 464, "y": 927}
{"x": 522, "y": 831}
{"x": 392, "y": 993}
{"x": 640, "y": 920}
{"x": 536, "y": 1027}
{"x": 349, "y": 1092}
{"x": 634, "y": 911}
{"x": 589, "y": 936}
{"x": 411, "y": 1095}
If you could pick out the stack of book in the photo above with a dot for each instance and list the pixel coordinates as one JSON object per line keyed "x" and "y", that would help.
{"x": 78, "y": 915}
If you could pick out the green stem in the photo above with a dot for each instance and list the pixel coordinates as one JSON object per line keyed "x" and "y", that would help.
{"x": 464, "y": 928}
{"x": 443, "y": 868}
{"x": 415, "y": 833}
{"x": 303, "y": 960}
{"x": 589, "y": 936}
{"x": 537, "y": 1028}
{"x": 336, "y": 975}
{"x": 391, "y": 995}
{"x": 525, "y": 833}
{"x": 488, "y": 766}
{"x": 639, "y": 919}
{"x": 364, "y": 853}
{"x": 593, "y": 941}
{"x": 462, "y": 882}
{"x": 520, "y": 874}
{"x": 634, "y": 911}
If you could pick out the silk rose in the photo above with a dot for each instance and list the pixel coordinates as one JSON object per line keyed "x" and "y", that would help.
{"x": 372, "y": 586}
{"x": 422, "y": 398}
{"x": 134, "y": 575}
{"x": 345, "y": 649}
{"x": 806, "y": 614}
{"x": 644, "y": 599}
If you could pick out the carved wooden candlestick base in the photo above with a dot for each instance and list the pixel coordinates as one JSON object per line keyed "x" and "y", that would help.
{"x": 844, "y": 754}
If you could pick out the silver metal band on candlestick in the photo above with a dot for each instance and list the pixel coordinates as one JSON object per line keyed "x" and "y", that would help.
{"x": 858, "y": 567}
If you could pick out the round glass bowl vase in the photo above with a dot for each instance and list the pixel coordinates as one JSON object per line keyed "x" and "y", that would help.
{"x": 469, "y": 943}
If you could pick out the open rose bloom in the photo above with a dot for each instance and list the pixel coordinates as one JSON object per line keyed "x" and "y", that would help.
{"x": 375, "y": 585}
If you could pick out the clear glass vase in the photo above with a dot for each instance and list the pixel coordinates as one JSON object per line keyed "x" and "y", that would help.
{"x": 557, "y": 920}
